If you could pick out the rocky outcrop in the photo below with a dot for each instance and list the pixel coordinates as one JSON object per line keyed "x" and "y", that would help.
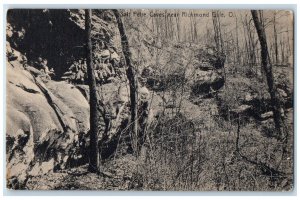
{"x": 54, "y": 34}
{"x": 44, "y": 120}
{"x": 249, "y": 97}
{"x": 208, "y": 75}
{"x": 202, "y": 68}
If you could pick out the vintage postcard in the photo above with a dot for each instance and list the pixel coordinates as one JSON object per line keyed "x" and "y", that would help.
{"x": 149, "y": 100}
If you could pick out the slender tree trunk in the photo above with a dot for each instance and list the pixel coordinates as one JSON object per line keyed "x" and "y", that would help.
{"x": 220, "y": 33}
{"x": 275, "y": 39}
{"x": 94, "y": 116}
{"x": 178, "y": 28}
{"x": 288, "y": 42}
{"x": 216, "y": 35}
{"x": 247, "y": 53}
{"x": 266, "y": 65}
{"x": 132, "y": 81}
{"x": 192, "y": 28}
{"x": 166, "y": 28}
{"x": 250, "y": 44}
{"x": 195, "y": 30}
{"x": 282, "y": 49}
{"x": 237, "y": 42}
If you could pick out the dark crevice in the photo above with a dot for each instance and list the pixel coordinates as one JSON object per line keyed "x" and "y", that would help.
{"x": 58, "y": 113}
{"x": 29, "y": 90}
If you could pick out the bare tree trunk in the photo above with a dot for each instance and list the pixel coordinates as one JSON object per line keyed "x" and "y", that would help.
{"x": 195, "y": 29}
{"x": 288, "y": 42}
{"x": 132, "y": 81}
{"x": 237, "y": 42}
{"x": 178, "y": 28}
{"x": 282, "y": 49}
{"x": 275, "y": 39}
{"x": 220, "y": 33}
{"x": 94, "y": 116}
{"x": 251, "y": 45}
{"x": 266, "y": 65}
{"x": 247, "y": 53}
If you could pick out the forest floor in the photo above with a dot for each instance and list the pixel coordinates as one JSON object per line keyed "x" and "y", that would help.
{"x": 116, "y": 175}
{"x": 121, "y": 172}
{"x": 128, "y": 173}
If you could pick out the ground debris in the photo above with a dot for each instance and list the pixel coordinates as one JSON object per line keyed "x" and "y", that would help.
{"x": 115, "y": 175}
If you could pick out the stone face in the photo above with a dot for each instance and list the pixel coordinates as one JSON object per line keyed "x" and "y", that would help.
{"x": 33, "y": 105}
{"x": 43, "y": 120}
{"x": 74, "y": 99}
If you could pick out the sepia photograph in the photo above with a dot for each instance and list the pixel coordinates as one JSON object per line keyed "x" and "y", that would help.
{"x": 149, "y": 100}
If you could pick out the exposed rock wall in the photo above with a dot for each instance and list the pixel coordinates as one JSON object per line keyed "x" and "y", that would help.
{"x": 43, "y": 124}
